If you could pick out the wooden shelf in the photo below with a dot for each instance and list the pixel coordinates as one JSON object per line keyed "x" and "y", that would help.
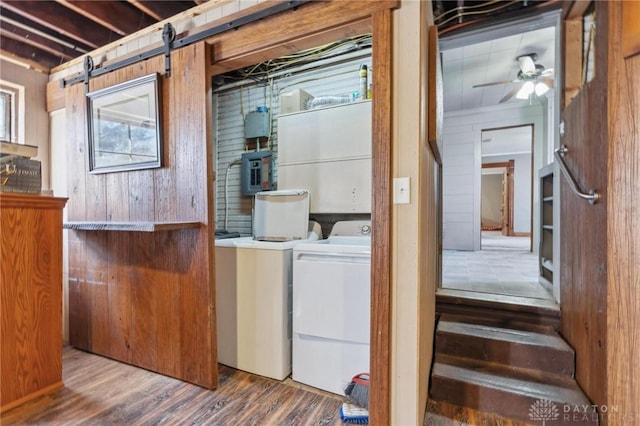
{"x": 547, "y": 225}
{"x": 131, "y": 226}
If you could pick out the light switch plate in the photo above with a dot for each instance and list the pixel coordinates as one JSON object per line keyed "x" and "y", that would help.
{"x": 401, "y": 190}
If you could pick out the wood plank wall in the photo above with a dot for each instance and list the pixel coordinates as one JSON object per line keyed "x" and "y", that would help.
{"x": 583, "y": 227}
{"x": 147, "y": 298}
{"x": 623, "y": 205}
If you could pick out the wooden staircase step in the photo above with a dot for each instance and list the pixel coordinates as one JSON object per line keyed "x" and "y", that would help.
{"x": 509, "y": 397}
{"x": 504, "y": 370}
{"x": 518, "y": 348}
{"x": 486, "y": 305}
{"x": 501, "y": 322}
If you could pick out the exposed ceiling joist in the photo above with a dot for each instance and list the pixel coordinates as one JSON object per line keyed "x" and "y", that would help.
{"x": 21, "y": 50}
{"x": 58, "y": 18}
{"x": 41, "y": 34}
{"x": 20, "y": 34}
{"x": 161, "y": 10}
{"x": 129, "y": 19}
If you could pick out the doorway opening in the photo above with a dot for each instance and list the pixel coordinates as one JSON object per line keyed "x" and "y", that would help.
{"x": 495, "y": 140}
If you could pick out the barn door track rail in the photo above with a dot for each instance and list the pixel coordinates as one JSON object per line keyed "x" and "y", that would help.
{"x": 170, "y": 43}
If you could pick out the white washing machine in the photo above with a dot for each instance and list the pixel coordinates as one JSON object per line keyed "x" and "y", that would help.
{"x": 331, "y": 307}
{"x": 254, "y": 285}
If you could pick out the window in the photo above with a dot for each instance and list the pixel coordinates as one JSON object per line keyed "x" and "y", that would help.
{"x": 8, "y": 114}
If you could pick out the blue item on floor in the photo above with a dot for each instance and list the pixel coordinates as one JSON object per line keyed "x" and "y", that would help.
{"x": 350, "y": 413}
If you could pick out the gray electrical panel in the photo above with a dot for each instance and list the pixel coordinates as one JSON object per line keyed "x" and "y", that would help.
{"x": 256, "y": 172}
{"x": 256, "y": 125}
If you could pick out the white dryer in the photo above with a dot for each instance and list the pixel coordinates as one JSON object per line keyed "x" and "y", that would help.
{"x": 331, "y": 307}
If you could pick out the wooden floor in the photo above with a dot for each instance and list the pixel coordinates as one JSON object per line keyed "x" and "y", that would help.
{"x": 100, "y": 391}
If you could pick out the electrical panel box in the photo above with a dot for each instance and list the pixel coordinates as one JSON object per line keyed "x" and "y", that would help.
{"x": 256, "y": 172}
{"x": 256, "y": 125}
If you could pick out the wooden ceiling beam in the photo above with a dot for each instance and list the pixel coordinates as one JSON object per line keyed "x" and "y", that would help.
{"x": 30, "y": 54}
{"x": 161, "y": 10}
{"x": 119, "y": 17}
{"x": 59, "y": 19}
{"x": 9, "y": 30}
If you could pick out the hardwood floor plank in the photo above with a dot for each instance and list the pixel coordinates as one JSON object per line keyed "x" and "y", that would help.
{"x": 100, "y": 391}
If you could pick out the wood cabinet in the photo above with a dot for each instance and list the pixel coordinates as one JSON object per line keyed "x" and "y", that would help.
{"x": 30, "y": 296}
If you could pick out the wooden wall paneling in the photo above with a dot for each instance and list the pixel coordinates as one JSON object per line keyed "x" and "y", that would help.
{"x": 144, "y": 296}
{"x": 119, "y": 302}
{"x": 379, "y": 405}
{"x": 583, "y": 238}
{"x": 572, "y": 65}
{"x": 55, "y": 96}
{"x": 79, "y": 292}
{"x": 96, "y": 284}
{"x": 169, "y": 356}
{"x": 117, "y": 285}
{"x": 210, "y": 149}
{"x": 292, "y": 30}
{"x": 623, "y": 254}
{"x": 165, "y": 185}
{"x": 191, "y": 200}
{"x": 147, "y": 297}
{"x": 96, "y": 268}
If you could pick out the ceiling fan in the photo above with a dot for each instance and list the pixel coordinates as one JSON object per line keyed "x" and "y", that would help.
{"x": 534, "y": 78}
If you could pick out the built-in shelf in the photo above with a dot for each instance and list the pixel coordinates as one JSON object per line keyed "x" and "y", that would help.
{"x": 546, "y": 255}
{"x": 131, "y": 226}
{"x": 547, "y": 264}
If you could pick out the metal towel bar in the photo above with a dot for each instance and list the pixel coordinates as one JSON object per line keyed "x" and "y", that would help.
{"x": 592, "y": 196}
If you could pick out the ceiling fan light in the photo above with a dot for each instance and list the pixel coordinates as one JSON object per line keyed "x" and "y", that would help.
{"x": 541, "y": 89}
{"x": 526, "y": 90}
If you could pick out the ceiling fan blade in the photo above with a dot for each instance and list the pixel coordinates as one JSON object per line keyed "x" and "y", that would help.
{"x": 547, "y": 72}
{"x": 509, "y": 95}
{"x": 495, "y": 83}
{"x": 527, "y": 65}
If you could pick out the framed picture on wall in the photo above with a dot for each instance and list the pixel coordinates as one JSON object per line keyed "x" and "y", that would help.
{"x": 125, "y": 126}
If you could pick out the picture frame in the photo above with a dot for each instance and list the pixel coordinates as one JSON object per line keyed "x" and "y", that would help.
{"x": 125, "y": 126}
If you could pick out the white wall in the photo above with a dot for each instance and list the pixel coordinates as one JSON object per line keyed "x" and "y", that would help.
{"x": 58, "y": 138}
{"x": 233, "y": 102}
{"x": 414, "y": 233}
{"x": 462, "y": 167}
{"x": 33, "y": 120}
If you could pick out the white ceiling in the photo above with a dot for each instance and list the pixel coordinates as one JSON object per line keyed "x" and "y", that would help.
{"x": 489, "y": 61}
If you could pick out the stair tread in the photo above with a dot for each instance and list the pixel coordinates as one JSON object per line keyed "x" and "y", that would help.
{"x": 505, "y": 334}
{"x": 570, "y": 393}
{"x": 505, "y": 322}
{"x": 512, "y": 303}
{"x": 505, "y": 370}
